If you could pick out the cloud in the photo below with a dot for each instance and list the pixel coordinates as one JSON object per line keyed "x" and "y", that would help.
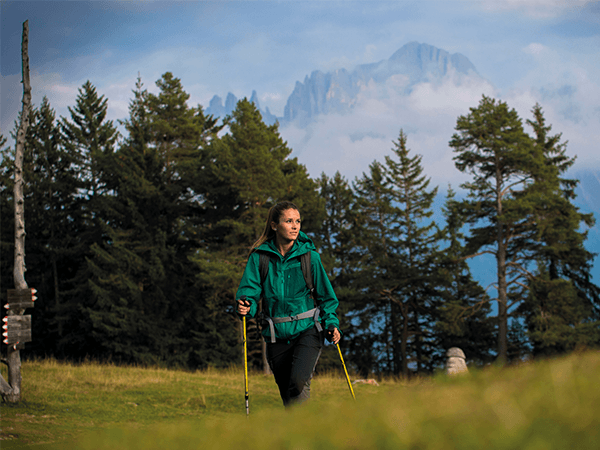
{"x": 535, "y": 49}
{"x": 536, "y": 9}
{"x": 11, "y": 94}
{"x": 61, "y": 95}
{"x": 349, "y": 143}
{"x": 116, "y": 84}
{"x": 451, "y": 98}
{"x": 276, "y": 96}
{"x": 568, "y": 91}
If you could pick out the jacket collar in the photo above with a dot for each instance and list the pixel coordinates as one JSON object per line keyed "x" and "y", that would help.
{"x": 301, "y": 245}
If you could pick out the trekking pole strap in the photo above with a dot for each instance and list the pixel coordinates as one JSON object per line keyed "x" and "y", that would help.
{"x": 314, "y": 313}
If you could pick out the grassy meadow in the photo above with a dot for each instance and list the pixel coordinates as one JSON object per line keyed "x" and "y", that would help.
{"x": 553, "y": 404}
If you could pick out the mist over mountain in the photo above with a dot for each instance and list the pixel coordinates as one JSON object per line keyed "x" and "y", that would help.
{"x": 339, "y": 91}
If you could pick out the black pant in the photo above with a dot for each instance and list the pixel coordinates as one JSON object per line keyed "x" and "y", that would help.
{"x": 293, "y": 363}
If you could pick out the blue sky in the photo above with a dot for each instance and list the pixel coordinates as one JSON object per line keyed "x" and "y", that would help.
{"x": 525, "y": 50}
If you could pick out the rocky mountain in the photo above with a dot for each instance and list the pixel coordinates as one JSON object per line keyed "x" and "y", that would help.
{"x": 217, "y": 109}
{"x": 338, "y": 91}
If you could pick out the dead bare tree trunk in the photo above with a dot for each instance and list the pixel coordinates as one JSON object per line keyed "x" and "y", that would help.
{"x": 11, "y": 391}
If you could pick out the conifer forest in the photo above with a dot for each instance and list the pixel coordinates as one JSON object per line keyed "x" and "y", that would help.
{"x": 138, "y": 234}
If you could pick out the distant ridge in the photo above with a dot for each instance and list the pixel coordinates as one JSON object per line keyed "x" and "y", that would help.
{"x": 337, "y": 91}
{"x": 217, "y": 109}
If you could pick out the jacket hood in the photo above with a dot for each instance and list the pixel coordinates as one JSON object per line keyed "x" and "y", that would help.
{"x": 302, "y": 245}
{"x": 304, "y": 241}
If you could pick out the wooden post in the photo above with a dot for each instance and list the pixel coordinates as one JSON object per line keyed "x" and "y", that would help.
{"x": 11, "y": 391}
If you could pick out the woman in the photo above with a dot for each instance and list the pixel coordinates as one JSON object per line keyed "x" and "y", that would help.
{"x": 295, "y": 347}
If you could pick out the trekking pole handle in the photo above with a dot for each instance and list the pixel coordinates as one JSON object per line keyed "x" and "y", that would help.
{"x": 243, "y": 302}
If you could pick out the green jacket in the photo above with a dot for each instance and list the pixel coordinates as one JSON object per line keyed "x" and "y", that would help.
{"x": 285, "y": 293}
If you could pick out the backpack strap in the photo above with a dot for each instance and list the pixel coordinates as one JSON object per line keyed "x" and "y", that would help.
{"x": 263, "y": 266}
{"x": 307, "y": 272}
{"x": 308, "y": 279}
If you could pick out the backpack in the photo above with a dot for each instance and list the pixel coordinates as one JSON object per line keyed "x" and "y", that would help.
{"x": 263, "y": 268}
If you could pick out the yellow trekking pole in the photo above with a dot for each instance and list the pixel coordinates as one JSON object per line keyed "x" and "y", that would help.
{"x": 246, "y": 366}
{"x": 346, "y": 372}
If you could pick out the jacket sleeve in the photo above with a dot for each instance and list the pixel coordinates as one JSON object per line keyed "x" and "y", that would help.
{"x": 324, "y": 293}
{"x": 250, "y": 285}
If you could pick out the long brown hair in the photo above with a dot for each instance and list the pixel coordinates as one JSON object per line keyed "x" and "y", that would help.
{"x": 273, "y": 216}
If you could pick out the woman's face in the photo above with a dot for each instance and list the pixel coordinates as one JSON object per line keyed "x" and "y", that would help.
{"x": 289, "y": 225}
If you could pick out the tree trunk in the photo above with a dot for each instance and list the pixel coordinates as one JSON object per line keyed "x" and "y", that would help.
{"x": 404, "y": 346}
{"x": 56, "y": 292}
{"x": 418, "y": 343}
{"x": 502, "y": 303}
{"x": 396, "y": 351}
{"x": 11, "y": 391}
{"x": 501, "y": 268}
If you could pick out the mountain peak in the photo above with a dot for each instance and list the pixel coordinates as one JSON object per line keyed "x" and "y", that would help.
{"x": 425, "y": 61}
{"x": 216, "y": 108}
{"x": 337, "y": 91}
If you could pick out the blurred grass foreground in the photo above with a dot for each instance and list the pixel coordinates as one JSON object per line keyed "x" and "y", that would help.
{"x": 552, "y": 404}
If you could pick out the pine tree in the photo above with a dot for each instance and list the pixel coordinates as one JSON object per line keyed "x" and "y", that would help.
{"x": 178, "y": 146}
{"x": 335, "y": 241}
{"x": 562, "y": 305}
{"x": 335, "y": 235}
{"x": 418, "y": 240}
{"x": 144, "y": 301}
{"x": 90, "y": 139}
{"x": 125, "y": 272}
{"x": 179, "y": 133}
{"x": 52, "y": 190}
{"x": 251, "y": 172}
{"x": 397, "y": 239}
{"x": 463, "y": 317}
{"x": 374, "y": 276}
{"x": 491, "y": 145}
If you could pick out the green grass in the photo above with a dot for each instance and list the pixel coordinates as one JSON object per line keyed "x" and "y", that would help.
{"x": 552, "y": 404}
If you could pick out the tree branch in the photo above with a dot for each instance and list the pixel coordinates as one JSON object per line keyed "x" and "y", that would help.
{"x": 521, "y": 269}
{"x": 510, "y": 186}
{"x": 488, "y": 252}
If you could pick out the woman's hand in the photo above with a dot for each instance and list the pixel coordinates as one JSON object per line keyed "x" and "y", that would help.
{"x": 333, "y": 335}
{"x": 243, "y": 306}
